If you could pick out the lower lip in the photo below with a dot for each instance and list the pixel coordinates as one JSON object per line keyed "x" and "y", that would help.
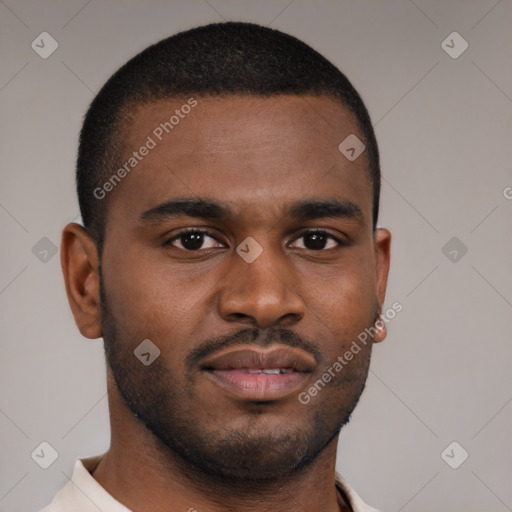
{"x": 259, "y": 386}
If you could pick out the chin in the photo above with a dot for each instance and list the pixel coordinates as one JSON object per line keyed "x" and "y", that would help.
{"x": 238, "y": 455}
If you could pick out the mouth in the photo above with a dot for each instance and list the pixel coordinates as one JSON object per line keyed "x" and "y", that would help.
{"x": 253, "y": 374}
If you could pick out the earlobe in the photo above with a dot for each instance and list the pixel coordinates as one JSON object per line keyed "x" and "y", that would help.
{"x": 382, "y": 241}
{"x": 79, "y": 262}
{"x": 380, "y": 331}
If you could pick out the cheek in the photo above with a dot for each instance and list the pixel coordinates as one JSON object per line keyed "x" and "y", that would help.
{"x": 149, "y": 300}
{"x": 343, "y": 302}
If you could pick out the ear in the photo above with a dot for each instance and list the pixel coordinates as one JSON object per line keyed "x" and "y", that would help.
{"x": 382, "y": 244}
{"x": 79, "y": 262}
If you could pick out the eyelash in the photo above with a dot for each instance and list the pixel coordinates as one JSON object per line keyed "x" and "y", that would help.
{"x": 340, "y": 242}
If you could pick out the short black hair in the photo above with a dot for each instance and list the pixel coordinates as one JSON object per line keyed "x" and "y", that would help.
{"x": 217, "y": 59}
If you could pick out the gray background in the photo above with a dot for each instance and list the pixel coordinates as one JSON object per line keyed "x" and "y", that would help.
{"x": 444, "y": 127}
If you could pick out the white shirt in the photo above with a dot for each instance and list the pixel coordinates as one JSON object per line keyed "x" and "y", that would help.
{"x": 84, "y": 494}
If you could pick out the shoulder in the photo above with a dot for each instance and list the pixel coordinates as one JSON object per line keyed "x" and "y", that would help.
{"x": 351, "y": 496}
{"x": 82, "y": 493}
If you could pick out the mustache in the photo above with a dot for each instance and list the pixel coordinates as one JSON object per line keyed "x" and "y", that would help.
{"x": 254, "y": 337}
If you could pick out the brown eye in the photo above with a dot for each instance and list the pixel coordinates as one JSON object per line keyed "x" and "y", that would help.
{"x": 192, "y": 240}
{"x": 319, "y": 240}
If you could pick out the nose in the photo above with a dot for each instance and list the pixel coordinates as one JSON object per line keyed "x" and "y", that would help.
{"x": 262, "y": 293}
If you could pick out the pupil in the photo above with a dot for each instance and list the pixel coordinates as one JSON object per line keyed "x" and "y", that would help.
{"x": 192, "y": 241}
{"x": 317, "y": 241}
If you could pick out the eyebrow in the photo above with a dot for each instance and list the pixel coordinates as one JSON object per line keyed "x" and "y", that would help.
{"x": 211, "y": 209}
{"x": 326, "y": 208}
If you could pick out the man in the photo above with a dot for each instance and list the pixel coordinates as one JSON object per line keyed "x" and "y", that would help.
{"x": 228, "y": 180}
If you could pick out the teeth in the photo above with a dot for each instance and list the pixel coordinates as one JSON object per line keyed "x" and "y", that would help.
{"x": 269, "y": 371}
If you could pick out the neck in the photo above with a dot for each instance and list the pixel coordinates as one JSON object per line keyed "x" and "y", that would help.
{"x": 142, "y": 475}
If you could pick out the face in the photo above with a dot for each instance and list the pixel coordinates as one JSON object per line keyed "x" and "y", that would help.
{"x": 242, "y": 246}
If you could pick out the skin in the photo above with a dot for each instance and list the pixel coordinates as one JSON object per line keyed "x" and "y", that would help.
{"x": 258, "y": 156}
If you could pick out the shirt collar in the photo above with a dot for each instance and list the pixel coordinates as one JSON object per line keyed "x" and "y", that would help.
{"x": 83, "y": 493}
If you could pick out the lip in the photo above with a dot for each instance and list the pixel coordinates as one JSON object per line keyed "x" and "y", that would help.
{"x": 235, "y": 371}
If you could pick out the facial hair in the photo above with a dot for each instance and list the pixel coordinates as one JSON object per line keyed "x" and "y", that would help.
{"x": 196, "y": 437}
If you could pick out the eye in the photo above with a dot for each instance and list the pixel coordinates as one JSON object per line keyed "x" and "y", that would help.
{"x": 317, "y": 240}
{"x": 192, "y": 240}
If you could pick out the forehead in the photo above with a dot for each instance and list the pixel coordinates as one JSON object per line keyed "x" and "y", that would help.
{"x": 237, "y": 122}
{"x": 248, "y": 150}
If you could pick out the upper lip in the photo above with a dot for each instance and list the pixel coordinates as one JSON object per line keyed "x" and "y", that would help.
{"x": 277, "y": 356}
